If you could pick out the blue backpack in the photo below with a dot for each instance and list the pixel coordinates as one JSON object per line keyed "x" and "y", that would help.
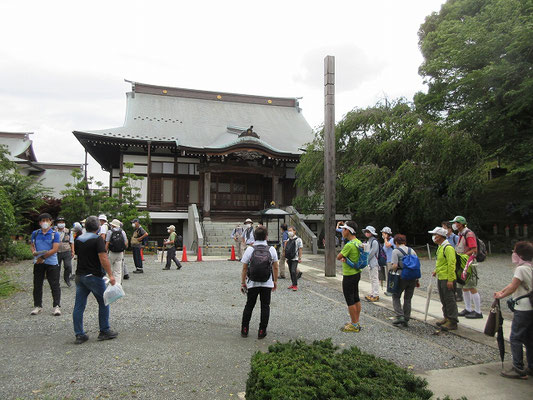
{"x": 410, "y": 266}
{"x": 362, "y": 262}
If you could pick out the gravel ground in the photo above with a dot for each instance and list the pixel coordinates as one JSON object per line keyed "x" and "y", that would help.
{"x": 179, "y": 337}
{"x": 495, "y": 273}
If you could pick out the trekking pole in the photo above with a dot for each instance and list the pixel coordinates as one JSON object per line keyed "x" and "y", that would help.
{"x": 162, "y": 253}
{"x": 429, "y": 251}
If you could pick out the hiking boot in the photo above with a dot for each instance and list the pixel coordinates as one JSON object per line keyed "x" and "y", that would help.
{"x": 107, "y": 335}
{"x": 349, "y": 327}
{"x": 57, "y": 311}
{"x": 126, "y": 277}
{"x": 138, "y": 271}
{"x": 464, "y": 313}
{"x": 514, "y": 373}
{"x": 67, "y": 281}
{"x": 294, "y": 288}
{"x": 399, "y": 321}
{"x": 164, "y": 269}
{"x": 372, "y": 299}
{"x": 449, "y": 326}
{"x": 244, "y": 331}
{"x": 474, "y": 315}
{"x": 81, "y": 339}
{"x": 261, "y": 334}
{"x": 178, "y": 266}
{"x": 36, "y": 310}
{"x": 299, "y": 275}
{"x": 442, "y": 322}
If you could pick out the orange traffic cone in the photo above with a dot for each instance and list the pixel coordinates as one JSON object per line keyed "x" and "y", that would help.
{"x": 142, "y": 254}
{"x": 232, "y": 257}
{"x": 199, "y": 255}
{"x": 184, "y": 255}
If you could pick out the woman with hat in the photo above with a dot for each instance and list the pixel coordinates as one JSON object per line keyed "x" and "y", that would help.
{"x": 372, "y": 246}
{"x": 66, "y": 249}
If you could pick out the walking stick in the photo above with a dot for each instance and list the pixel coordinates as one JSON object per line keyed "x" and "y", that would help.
{"x": 162, "y": 253}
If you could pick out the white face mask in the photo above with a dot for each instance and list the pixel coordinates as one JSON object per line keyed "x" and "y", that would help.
{"x": 115, "y": 228}
{"x": 45, "y": 225}
{"x": 454, "y": 227}
{"x": 133, "y": 225}
{"x": 248, "y": 225}
{"x": 291, "y": 234}
{"x": 61, "y": 226}
{"x": 434, "y": 238}
{"x": 168, "y": 230}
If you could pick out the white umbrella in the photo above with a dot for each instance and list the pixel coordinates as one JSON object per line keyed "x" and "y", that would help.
{"x": 428, "y": 298}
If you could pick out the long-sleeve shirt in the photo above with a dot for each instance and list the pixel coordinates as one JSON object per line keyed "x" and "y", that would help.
{"x": 445, "y": 265}
{"x": 373, "y": 248}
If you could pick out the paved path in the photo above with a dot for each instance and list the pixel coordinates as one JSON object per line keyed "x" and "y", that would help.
{"x": 179, "y": 337}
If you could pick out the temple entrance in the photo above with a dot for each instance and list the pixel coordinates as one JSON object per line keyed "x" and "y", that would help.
{"x": 240, "y": 191}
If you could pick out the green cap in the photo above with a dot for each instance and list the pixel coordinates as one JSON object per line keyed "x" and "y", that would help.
{"x": 461, "y": 220}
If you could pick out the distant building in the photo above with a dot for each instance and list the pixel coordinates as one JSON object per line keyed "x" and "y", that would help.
{"x": 54, "y": 176}
{"x": 230, "y": 154}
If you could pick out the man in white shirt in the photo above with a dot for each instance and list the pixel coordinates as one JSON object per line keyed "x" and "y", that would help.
{"x": 103, "y": 226}
{"x": 259, "y": 278}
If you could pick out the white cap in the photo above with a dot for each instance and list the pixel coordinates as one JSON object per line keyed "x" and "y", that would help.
{"x": 348, "y": 227}
{"x": 171, "y": 227}
{"x": 248, "y": 220}
{"x": 116, "y": 223}
{"x": 102, "y": 216}
{"x": 370, "y": 229}
{"x": 439, "y": 231}
{"x": 387, "y": 230}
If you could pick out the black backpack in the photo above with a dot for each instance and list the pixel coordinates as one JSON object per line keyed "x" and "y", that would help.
{"x": 290, "y": 249}
{"x": 116, "y": 242}
{"x": 260, "y": 265}
{"x": 178, "y": 241}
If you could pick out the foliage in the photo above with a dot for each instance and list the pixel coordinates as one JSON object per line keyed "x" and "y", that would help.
{"x": 7, "y": 285}
{"x": 478, "y": 65}
{"x": 393, "y": 168}
{"x": 296, "y": 370}
{"x": 19, "y": 250}
{"x": 7, "y": 220}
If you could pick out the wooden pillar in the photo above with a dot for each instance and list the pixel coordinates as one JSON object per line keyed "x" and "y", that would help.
{"x": 207, "y": 195}
{"x": 329, "y": 164}
{"x": 275, "y": 189}
{"x": 149, "y": 178}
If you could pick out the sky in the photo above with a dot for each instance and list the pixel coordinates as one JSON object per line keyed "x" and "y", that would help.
{"x": 63, "y": 63}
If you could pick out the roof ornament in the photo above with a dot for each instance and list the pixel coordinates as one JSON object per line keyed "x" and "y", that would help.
{"x": 249, "y": 133}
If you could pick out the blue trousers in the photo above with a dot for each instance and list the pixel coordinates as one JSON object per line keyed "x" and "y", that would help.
{"x": 84, "y": 286}
{"x": 522, "y": 335}
{"x": 137, "y": 259}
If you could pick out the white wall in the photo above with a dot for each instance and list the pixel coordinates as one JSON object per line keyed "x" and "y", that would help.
{"x": 56, "y": 179}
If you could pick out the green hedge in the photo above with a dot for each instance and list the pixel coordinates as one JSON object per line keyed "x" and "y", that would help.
{"x": 296, "y": 370}
{"x": 19, "y": 251}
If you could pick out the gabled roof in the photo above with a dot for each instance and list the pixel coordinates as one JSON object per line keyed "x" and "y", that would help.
{"x": 210, "y": 120}
{"x": 19, "y": 145}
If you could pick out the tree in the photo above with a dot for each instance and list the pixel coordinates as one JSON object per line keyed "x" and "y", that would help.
{"x": 478, "y": 63}
{"x": 393, "y": 168}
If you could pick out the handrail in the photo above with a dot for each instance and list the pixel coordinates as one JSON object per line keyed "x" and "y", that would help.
{"x": 305, "y": 233}
{"x": 195, "y": 228}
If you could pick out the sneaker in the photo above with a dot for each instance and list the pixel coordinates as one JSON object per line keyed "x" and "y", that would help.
{"x": 126, "y": 277}
{"x": 81, "y": 339}
{"x": 291, "y": 287}
{"x": 372, "y": 299}
{"x": 138, "y": 271}
{"x": 442, "y": 322}
{"x": 449, "y": 326}
{"x": 474, "y": 315}
{"x": 261, "y": 334}
{"x": 299, "y": 275}
{"x": 349, "y": 327}
{"x": 164, "y": 269}
{"x": 398, "y": 321}
{"x": 107, "y": 335}
{"x": 244, "y": 331}
{"x": 464, "y": 313}
{"x": 36, "y": 310}
{"x": 57, "y": 311}
{"x": 179, "y": 266}
{"x": 514, "y": 373}
{"x": 67, "y": 281}
{"x": 294, "y": 288}
{"x": 388, "y": 294}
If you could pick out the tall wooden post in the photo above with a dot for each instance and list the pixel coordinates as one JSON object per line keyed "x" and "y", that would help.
{"x": 329, "y": 164}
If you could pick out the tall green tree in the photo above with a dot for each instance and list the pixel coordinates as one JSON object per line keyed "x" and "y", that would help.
{"x": 478, "y": 64}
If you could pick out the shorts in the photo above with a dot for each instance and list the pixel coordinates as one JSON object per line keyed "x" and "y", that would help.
{"x": 350, "y": 288}
{"x": 471, "y": 282}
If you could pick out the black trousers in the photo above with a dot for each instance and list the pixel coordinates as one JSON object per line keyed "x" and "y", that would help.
{"x": 171, "y": 256}
{"x": 51, "y": 272}
{"x": 66, "y": 258}
{"x": 264, "y": 294}
{"x": 293, "y": 269}
{"x": 137, "y": 259}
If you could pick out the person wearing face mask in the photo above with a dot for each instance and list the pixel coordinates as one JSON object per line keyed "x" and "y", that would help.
{"x": 44, "y": 246}
{"x": 66, "y": 249}
{"x": 293, "y": 253}
{"x": 372, "y": 246}
{"x": 248, "y": 234}
{"x": 116, "y": 242}
{"x": 171, "y": 248}
{"x": 136, "y": 244}
{"x": 236, "y": 235}
{"x": 522, "y": 326}
{"x": 445, "y": 273}
{"x": 467, "y": 244}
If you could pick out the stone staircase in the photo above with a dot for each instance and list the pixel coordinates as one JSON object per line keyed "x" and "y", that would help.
{"x": 217, "y": 234}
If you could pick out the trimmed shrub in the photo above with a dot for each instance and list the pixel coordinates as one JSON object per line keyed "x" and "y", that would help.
{"x": 19, "y": 251}
{"x": 296, "y": 370}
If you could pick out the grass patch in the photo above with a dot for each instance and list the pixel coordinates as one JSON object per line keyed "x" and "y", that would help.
{"x": 7, "y": 284}
{"x": 297, "y": 370}
{"x": 19, "y": 251}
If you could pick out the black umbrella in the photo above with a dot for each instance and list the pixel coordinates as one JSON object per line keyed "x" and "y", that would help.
{"x": 500, "y": 339}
